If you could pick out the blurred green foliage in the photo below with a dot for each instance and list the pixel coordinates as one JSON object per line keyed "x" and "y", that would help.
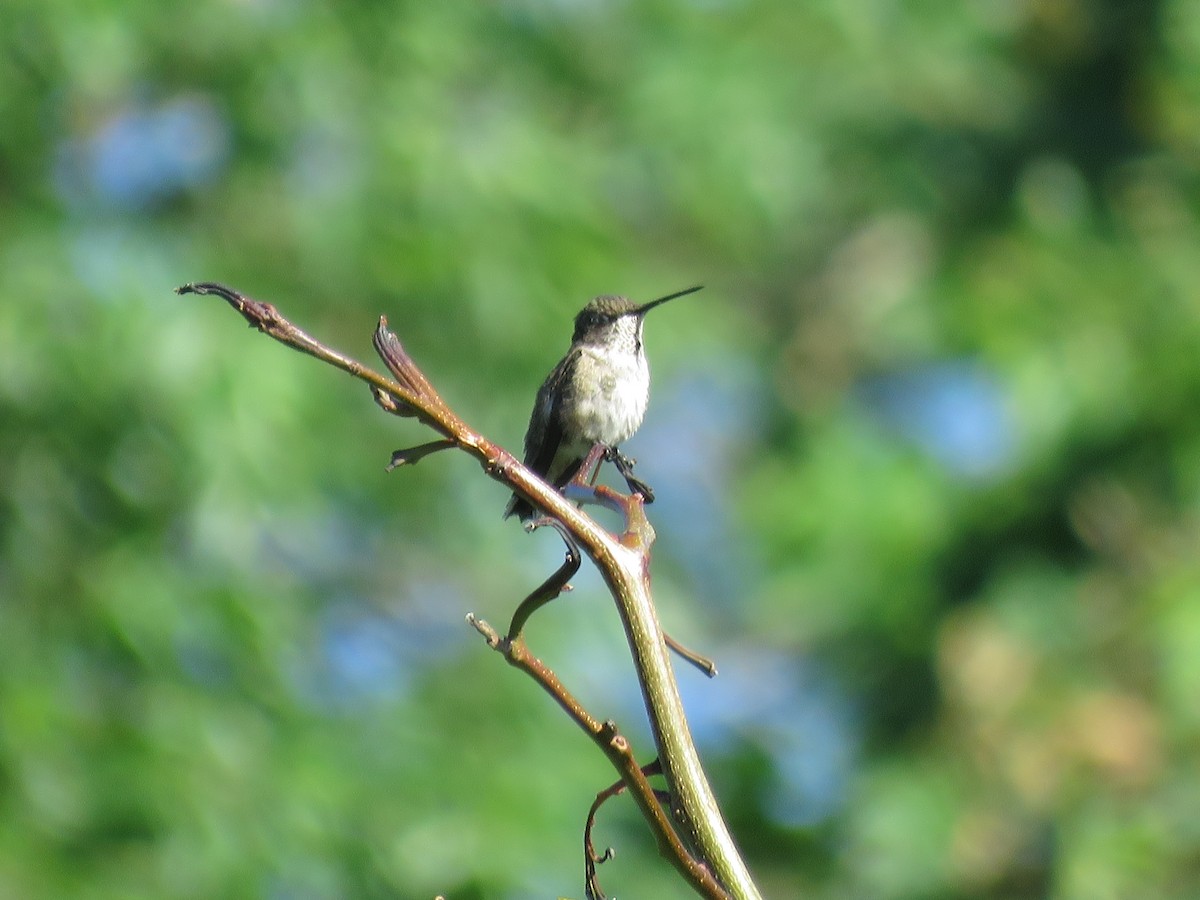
{"x": 927, "y": 448}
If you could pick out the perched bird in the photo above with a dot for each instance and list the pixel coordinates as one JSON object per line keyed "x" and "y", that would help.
{"x": 597, "y": 394}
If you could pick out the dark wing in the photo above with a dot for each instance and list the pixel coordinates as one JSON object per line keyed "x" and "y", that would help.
{"x": 544, "y": 434}
{"x": 545, "y": 424}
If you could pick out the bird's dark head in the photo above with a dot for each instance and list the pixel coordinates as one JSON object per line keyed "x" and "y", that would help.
{"x": 600, "y": 318}
{"x": 607, "y": 316}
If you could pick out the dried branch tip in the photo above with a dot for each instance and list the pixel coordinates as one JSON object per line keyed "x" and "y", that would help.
{"x": 257, "y": 315}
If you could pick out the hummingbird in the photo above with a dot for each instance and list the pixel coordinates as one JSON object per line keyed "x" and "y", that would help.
{"x": 596, "y": 395}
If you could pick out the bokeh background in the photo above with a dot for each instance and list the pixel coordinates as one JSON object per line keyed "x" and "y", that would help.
{"x": 927, "y": 447}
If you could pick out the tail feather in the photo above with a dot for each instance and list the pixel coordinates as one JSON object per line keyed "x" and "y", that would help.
{"x": 519, "y": 507}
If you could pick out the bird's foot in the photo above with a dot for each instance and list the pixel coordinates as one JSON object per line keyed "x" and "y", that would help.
{"x": 624, "y": 465}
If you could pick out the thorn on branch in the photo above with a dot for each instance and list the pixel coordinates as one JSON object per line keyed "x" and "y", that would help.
{"x": 552, "y": 586}
{"x": 703, "y": 663}
{"x": 413, "y": 455}
{"x": 591, "y": 859}
{"x": 422, "y": 400}
{"x": 489, "y": 633}
{"x": 390, "y": 403}
{"x": 401, "y": 365}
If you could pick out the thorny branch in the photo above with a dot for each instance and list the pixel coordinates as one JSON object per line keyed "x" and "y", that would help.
{"x": 717, "y": 869}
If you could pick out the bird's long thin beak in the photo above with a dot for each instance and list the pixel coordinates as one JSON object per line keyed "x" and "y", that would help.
{"x": 646, "y": 307}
